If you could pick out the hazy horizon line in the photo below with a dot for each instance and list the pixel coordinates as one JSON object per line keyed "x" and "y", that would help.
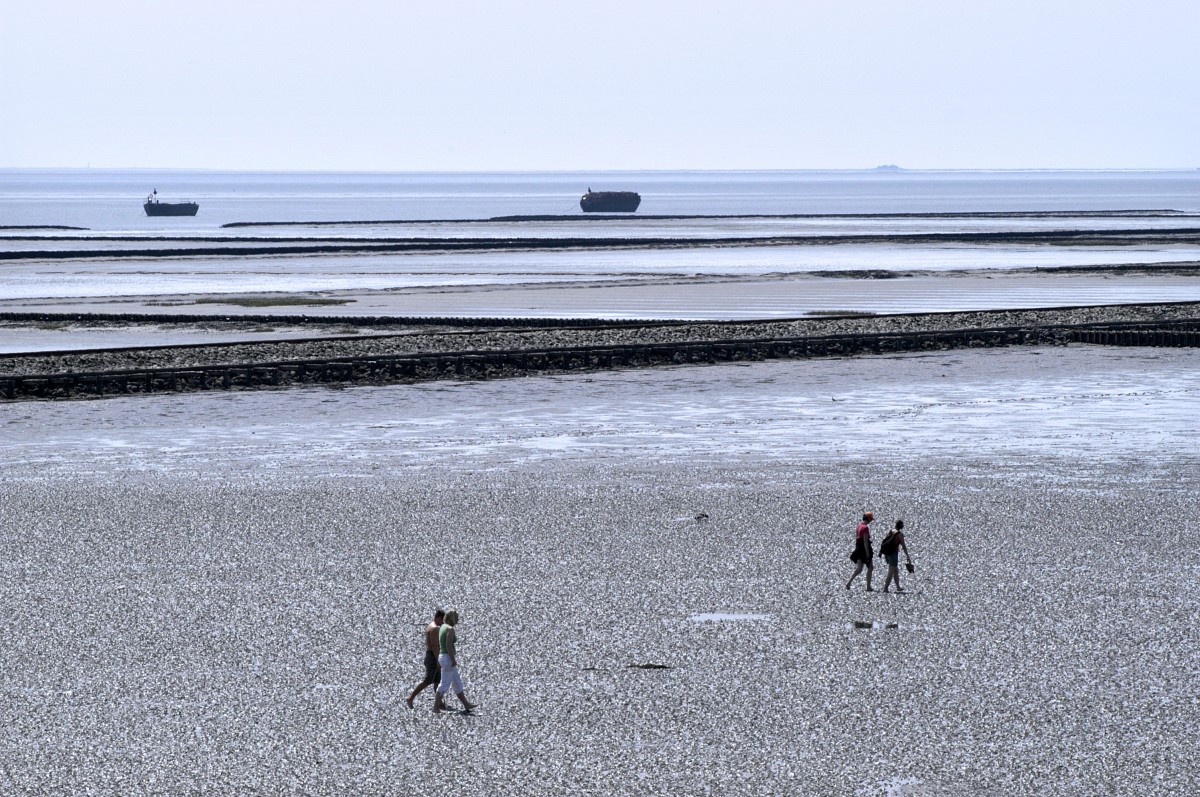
{"x": 583, "y": 170}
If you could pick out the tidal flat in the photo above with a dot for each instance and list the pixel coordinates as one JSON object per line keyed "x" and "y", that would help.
{"x": 223, "y": 593}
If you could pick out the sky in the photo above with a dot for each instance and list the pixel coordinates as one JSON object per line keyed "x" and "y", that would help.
{"x": 599, "y": 84}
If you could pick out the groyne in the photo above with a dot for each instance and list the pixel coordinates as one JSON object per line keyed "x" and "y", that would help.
{"x": 378, "y": 369}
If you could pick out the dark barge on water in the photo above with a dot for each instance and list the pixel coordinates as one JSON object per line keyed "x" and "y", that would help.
{"x": 155, "y": 208}
{"x": 610, "y": 201}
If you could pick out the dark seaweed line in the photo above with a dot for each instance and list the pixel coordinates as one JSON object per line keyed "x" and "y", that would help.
{"x": 305, "y": 242}
{"x": 418, "y": 245}
{"x": 600, "y": 217}
{"x": 507, "y": 363}
{"x": 40, "y": 227}
{"x": 323, "y": 320}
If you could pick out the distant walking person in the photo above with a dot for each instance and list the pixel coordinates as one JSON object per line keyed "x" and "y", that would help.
{"x": 431, "y": 656}
{"x": 448, "y": 660}
{"x": 889, "y": 549}
{"x": 863, "y": 554}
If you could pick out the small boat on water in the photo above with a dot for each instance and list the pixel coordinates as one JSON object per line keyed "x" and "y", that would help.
{"x": 610, "y": 201}
{"x": 155, "y": 208}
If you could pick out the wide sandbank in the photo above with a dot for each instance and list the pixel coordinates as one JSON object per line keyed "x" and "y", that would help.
{"x": 223, "y": 593}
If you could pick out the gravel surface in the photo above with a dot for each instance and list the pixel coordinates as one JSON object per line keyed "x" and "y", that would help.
{"x": 260, "y": 352}
{"x": 168, "y": 637}
{"x": 224, "y": 626}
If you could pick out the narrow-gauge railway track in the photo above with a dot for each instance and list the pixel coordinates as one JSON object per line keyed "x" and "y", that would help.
{"x": 511, "y": 352}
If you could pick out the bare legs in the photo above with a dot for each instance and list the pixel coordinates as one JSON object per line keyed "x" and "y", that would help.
{"x": 440, "y": 705}
{"x": 858, "y": 570}
{"x": 419, "y": 689}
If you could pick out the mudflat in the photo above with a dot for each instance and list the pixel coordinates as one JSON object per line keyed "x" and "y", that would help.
{"x": 225, "y": 593}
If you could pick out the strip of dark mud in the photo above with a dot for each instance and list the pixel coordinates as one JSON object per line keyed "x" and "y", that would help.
{"x": 22, "y": 227}
{"x": 1140, "y": 237}
{"x": 602, "y": 217}
{"x": 1183, "y": 268}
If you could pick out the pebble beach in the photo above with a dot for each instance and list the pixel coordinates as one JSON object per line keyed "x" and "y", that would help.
{"x": 223, "y": 593}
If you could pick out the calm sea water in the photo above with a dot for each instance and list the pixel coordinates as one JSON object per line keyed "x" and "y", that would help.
{"x": 108, "y": 200}
{"x": 720, "y": 282}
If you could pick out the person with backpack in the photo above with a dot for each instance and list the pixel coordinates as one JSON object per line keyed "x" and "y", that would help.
{"x": 863, "y": 554}
{"x": 889, "y": 549}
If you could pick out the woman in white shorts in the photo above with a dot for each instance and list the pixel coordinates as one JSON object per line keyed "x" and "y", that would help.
{"x": 448, "y": 661}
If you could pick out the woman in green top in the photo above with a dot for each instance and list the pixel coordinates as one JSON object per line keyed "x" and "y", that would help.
{"x": 448, "y": 661}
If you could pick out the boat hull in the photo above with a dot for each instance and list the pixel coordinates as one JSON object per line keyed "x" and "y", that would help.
{"x": 610, "y": 201}
{"x": 171, "y": 208}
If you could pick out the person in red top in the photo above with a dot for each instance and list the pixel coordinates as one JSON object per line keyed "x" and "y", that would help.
{"x": 863, "y": 555}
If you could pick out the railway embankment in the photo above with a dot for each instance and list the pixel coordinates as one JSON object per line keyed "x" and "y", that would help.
{"x": 513, "y": 347}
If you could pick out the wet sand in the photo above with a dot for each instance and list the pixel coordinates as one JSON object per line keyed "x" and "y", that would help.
{"x": 672, "y": 296}
{"x": 23, "y": 336}
{"x": 224, "y": 593}
{"x": 651, "y": 267}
